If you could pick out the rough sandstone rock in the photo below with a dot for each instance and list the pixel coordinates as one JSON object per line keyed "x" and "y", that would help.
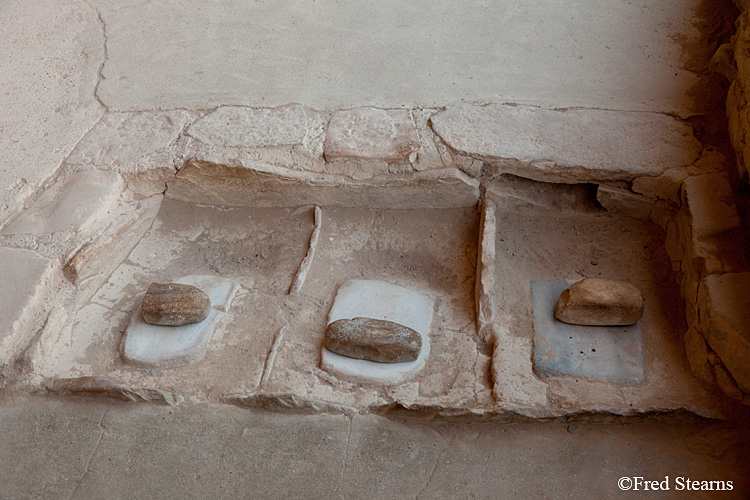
{"x": 373, "y": 340}
{"x": 711, "y": 225}
{"x": 173, "y": 304}
{"x": 625, "y": 202}
{"x": 600, "y": 302}
{"x": 371, "y": 133}
{"x": 724, "y": 302}
{"x": 697, "y": 353}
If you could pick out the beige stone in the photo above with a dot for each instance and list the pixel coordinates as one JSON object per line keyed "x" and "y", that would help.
{"x": 234, "y": 126}
{"x": 514, "y": 383}
{"x": 304, "y": 267}
{"x": 625, "y": 202}
{"x": 579, "y": 145}
{"x": 371, "y": 133}
{"x": 121, "y": 138}
{"x": 249, "y": 183}
{"x": 484, "y": 292}
{"x": 97, "y": 258}
{"x": 594, "y": 301}
{"x": 72, "y": 204}
{"x": 27, "y": 283}
{"x": 373, "y": 339}
{"x": 173, "y": 304}
{"x": 724, "y": 302}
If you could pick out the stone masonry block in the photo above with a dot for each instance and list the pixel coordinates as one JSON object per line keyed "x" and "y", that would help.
{"x": 234, "y": 126}
{"x": 120, "y": 138}
{"x": 625, "y": 202}
{"x": 711, "y": 225}
{"x": 571, "y": 146}
{"x": 724, "y": 302}
{"x": 371, "y": 133}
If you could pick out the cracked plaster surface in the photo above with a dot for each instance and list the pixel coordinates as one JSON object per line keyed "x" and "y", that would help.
{"x": 630, "y": 55}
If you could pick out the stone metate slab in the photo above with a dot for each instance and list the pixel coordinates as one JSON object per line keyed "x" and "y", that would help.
{"x": 385, "y": 301}
{"x": 611, "y": 353}
{"x": 169, "y": 346}
{"x": 577, "y": 145}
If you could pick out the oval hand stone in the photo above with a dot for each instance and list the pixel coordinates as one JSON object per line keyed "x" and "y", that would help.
{"x": 600, "y": 302}
{"x": 373, "y": 340}
{"x": 173, "y": 304}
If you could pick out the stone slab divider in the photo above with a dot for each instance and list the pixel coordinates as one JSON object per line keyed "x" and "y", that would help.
{"x": 485, "y": 279}
{"x": 304, "y": 267}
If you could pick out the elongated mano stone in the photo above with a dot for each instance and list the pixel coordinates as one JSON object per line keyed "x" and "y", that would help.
{"x": 600, "y": 302}
{"x": 173, "y": 304}
{"x": 373, "y": 340}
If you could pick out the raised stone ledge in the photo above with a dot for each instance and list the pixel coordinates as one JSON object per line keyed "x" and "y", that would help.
{"x": 559, "y": 146}
{"x": 247, "y": 183}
